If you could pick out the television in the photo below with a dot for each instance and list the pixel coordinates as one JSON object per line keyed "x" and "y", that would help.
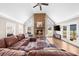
{"x": 57, "y": 28}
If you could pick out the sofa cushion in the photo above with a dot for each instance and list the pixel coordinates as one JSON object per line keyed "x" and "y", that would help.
{"x": 49, "y": 53}
{"x": 30, "y": 46}
{"x": 20, "y": 36}
{"x": 2, "y": 43}
{"x": 11, "y": 52}
{"x": 19, "y": 44}
{"x": 11, "y": 40}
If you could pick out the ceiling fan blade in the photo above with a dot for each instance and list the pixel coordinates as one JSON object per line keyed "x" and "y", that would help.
{"x": 40, "y": 8}
{"x": 35, "y": 5}
{"x": 45, "y": 4}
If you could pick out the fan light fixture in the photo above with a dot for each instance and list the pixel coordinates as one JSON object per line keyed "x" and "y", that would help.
{"x": 40, "y": 5}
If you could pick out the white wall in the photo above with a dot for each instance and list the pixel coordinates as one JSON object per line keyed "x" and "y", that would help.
{"x": 49, "y": 24}
{"x": 3, "y": 22}
{"x": 29, "y": 23}
{"x": 68, "y": 23}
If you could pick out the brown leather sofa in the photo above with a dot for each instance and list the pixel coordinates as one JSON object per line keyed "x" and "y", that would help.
{"x": 14, "y": 45}
{"x": 49, "y": 53}
{"x": 9, "y": 46}
{"x": 11, "y": 52}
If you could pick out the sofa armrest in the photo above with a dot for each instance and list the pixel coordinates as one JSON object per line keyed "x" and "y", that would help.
{"x": 11, "y": 52}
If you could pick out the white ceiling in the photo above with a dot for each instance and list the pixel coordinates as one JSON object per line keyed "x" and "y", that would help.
{"x": 56, "y": 11}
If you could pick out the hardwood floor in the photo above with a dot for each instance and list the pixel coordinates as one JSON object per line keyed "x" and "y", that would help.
{"x": 64, "y": 45}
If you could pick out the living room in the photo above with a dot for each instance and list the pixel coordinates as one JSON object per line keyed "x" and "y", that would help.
{"x": 42, "y": 29}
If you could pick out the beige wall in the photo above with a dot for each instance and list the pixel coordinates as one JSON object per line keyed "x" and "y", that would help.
{"x": 4, "y": 21}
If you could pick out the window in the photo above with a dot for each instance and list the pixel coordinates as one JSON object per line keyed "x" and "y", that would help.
{"x": 20, "y": 29}
{"x": 10, "y": 28}
{"x": 73, "y": 32}
{"x": 64, "y": 31}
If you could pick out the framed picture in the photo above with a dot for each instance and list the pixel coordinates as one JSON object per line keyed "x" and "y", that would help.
{"x": 39, "y": 24}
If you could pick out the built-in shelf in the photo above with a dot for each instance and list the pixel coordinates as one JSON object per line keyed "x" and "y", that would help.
{"x": 39, "y": 24}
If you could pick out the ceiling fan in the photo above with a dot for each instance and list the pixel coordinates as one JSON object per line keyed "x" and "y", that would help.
{"x": 40, "y": 5}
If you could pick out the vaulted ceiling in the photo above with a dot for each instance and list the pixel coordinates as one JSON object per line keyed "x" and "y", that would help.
{"x": 56, "y": 11}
